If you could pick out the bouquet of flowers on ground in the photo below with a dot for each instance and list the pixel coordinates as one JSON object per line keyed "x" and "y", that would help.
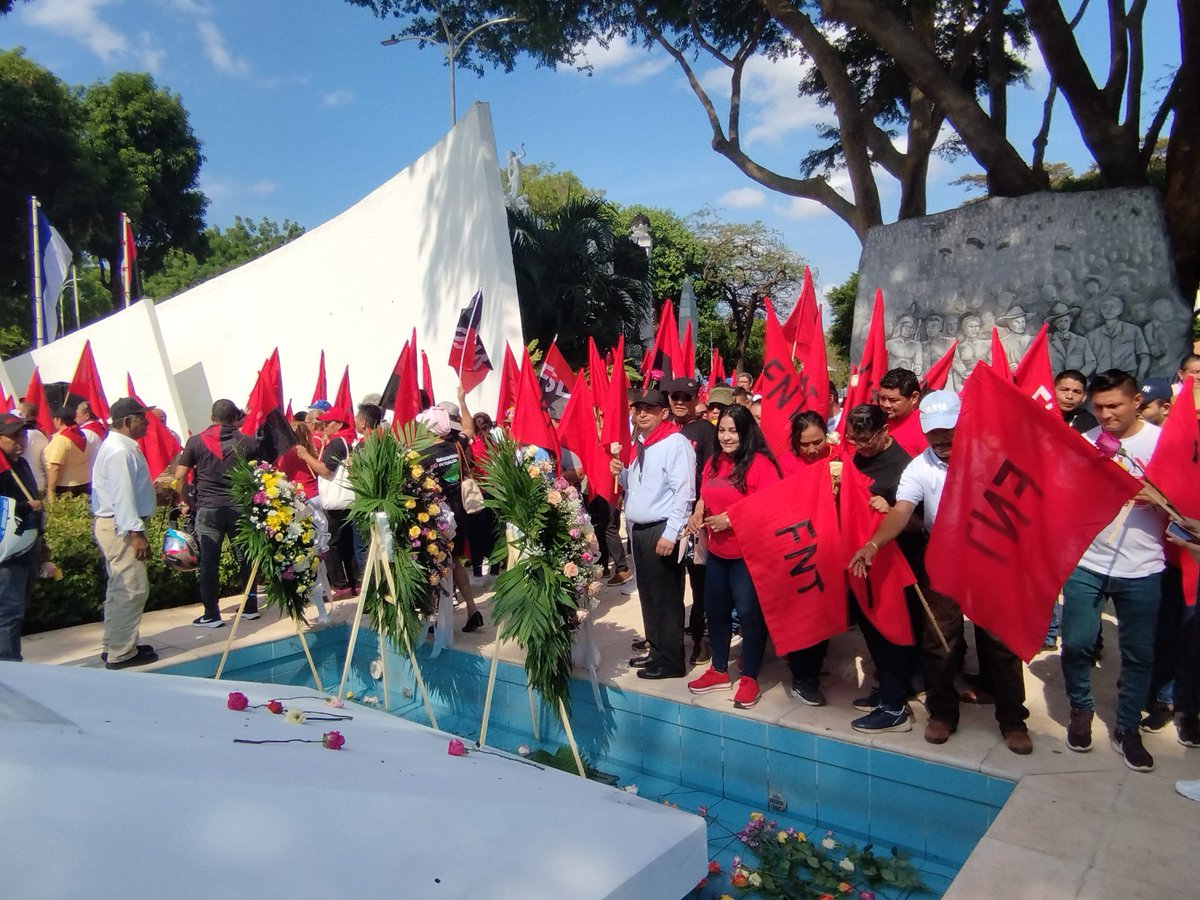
{"x": 388, "y": 476}
{"x": 552, "y": 586}
{"x": 275, "y": 532}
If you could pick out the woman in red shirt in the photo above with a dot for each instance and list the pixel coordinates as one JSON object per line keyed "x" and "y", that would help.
{"x": 743, "y": 467}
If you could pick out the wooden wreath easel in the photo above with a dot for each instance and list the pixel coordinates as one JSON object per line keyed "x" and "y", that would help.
{"x": 377, "y": 561}
{"x": 491, "y": 687}
{"x": 237, "y": 619}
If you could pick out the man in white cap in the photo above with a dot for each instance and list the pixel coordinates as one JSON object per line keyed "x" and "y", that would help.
{"x": 922, "y": 483}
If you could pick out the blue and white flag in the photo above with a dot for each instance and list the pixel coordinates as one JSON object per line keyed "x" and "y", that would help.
{"x": 55, "y": 258}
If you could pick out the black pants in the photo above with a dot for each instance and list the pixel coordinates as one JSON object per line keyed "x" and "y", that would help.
{"x": 660, "y": 588}
{"x": 612, "y": 538}
{"x": 1187, "y": 677}
{"x": 894, "y": 663}
{"x": 481, "y": 536}
{"x": 805, "y": 665}
{"x": 213, "y": 526}
{"x": 1174, "y": 622}
{"x": 340, "y": 561}
{"x": 942, "y": 667}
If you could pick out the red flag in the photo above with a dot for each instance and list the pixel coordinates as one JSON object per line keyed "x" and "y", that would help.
{"x": 577, "y": 433}
{"x": 881, "y": 594}
{"x": 1175, "y": 466}
{"x": 86, "y": 384}
{"x": 554, "y": 365}
{"x": 321, "y": 391}
{"x": 266, "y": 395}
{"x": 935, "y": 378}
{"x": 158, "y": 445}
{"x": 689, "y": 351}
{"x": 615, "y": 427}
{"x": 129, "y": 391}
{"x": 407, "y": 403}
{"x": 597, "y": 371}
{"x": 530, "y": 424}
{"x": 1033, "y": 374}
{"x": 1019, "y": 507}
{"x": 785, "y": 391}
{"x": 666, "y": 355}
{"x": 793, "y": 549}
{"x": 800, "y": 312}
{"x": 343, "y": 400}
{"x": 999, "y": 356}
{"x": 508, "y": 386}
{"x": 716, "y": 368}
{"x": 130, "y": 288}
{"x": 36, "y": 394}
{"x": 808, "y": 347}
{"x": 874, "y": 363}
{"x": 287, "y": 413}
{"x": 427, "y": 379}
{"x": 468, "y": 356}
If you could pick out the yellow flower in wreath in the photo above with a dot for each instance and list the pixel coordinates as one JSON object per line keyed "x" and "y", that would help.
{"x": 433, "y": 579}
{"x": 432, "y": 548}
{"x": 422, "y": 517}
{"x": 410, "y": 504}
{"x": 417, "y": 471}
{"x": 429, "y": 484}
{"x": 433, "y": 509}
{"x": 414, "y": 532}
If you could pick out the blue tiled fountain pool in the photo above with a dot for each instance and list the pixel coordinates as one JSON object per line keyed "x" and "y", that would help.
{"x": 686, "y": 755}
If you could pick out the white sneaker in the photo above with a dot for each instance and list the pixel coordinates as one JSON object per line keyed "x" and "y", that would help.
{"x": 1189, "y": 789}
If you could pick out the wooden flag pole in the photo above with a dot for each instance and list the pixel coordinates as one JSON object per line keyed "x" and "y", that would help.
{"x": 491, "y": 687}
{"x": 562, "y": 712}
{"x": 311, "y": 665}
{"x": 932, "y": 620}
{"x": 358, "y": 615}
{"x": 237, "y": 618}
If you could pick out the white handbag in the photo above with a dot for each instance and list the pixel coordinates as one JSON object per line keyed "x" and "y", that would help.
{"x": 336, "y": 492}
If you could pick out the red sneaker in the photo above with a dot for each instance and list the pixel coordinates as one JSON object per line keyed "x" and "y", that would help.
{"x": 747, "y": 693}
{"x": 711, "y": 680}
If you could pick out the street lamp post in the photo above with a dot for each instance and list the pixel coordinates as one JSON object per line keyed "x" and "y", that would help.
{"x": 453, "y": 42}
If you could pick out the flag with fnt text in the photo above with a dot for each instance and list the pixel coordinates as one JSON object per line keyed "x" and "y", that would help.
{"x": 786, "y": 391}
{"x": 1019, "y": 507}
{"x": 793, "y": 549}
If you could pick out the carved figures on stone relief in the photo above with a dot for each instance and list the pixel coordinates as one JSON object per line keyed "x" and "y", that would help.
{"x": 904, "y": 350}
{"x": 1067, "y": 349}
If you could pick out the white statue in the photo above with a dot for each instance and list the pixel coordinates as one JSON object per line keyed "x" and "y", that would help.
{"x": 513, "y": 198}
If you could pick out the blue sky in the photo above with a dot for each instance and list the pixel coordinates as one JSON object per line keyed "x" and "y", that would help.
{"x": 302, "y": 112}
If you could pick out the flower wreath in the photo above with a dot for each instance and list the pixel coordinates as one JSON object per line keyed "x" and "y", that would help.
{"x": 551, "y": 588}
{"x": 275, "y": 530}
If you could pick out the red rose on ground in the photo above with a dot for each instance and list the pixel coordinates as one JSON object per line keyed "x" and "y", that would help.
{"x": 333, "y": 740}
{"x": 274, "y": 706}
{"x": 237, "y": 701}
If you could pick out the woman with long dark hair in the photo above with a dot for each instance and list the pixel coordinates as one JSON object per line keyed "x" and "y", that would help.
{"x": 743, "y": 467}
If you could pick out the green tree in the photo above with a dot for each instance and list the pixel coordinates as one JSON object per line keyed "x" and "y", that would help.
{"x": 841, "y": 329}
{"x": 747, "y": 265}
{"x": 576, "y": 278}
{"x": 149, "y": 166}
{"x": 548, "y": 189}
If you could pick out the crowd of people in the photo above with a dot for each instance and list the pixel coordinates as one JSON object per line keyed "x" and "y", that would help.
{"x": 696, "y": 452}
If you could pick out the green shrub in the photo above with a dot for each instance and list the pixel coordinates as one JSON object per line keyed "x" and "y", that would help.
{"x": 79, "y": 596}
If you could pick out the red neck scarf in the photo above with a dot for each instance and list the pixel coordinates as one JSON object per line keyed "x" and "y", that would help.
{"x": 665, "y": 429}
{"x": 74, "y": 435}
{"x": 211, "y": 438}
{"x": 347, "y": 434}
{"x": 96, "y": 427}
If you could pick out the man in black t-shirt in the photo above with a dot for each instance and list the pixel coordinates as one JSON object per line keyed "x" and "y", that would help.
{"x": 681, "y": 394}
{"x": 1070, "y": 396}
{"x": 211, "y": 456}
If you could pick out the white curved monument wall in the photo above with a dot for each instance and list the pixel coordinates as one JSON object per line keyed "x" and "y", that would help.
{"x": 409, "y": 254}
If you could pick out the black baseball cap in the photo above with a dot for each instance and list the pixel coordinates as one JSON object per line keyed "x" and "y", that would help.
{"x": 648, "y": 397}
{"x": 124, "y": 407}
{"x": 681, "y": 385}
{"x": 12, "y": 425}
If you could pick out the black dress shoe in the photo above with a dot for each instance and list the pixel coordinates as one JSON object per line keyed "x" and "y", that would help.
{"x": 656, "y": 672}
{"x": 474, "y": 623}
{"x": 640, "y": 645}
{"x": 141, "y": 648}
{"x": 640, "y": 662}
{"x": 141, "y": 658}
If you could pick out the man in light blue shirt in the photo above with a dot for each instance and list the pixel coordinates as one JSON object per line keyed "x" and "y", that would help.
{"x": 122, "y": 498}
{"x": 660, "y": 490}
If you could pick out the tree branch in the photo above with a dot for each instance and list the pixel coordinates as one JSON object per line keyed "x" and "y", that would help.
{"x": 1160, "y": 119}
{"x": 1012, "y": 176}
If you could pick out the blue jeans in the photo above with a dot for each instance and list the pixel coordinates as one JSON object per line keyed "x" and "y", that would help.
{"x": 728, "y": 587}
{"x": 1055, "y": 628}
{"x": 1136, "y": 602}
{"x": 17, "y": 577}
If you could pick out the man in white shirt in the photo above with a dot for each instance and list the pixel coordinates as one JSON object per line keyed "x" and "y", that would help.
{"x": 922, "y": 483}
{"x": 122, "y": 498}
{"x": 660, "y": 488}
{"x": 35, "y": 445}
{"x": 1124, "y": 562}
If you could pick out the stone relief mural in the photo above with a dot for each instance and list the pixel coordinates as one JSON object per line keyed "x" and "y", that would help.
{"x": 1094, "y": 266}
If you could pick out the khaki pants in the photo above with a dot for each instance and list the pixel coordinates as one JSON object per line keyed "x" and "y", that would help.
{"x": 128, "y": 590}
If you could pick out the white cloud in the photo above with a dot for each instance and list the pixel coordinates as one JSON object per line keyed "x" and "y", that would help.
{"x": 626, "y": 62}
{"x": 226, "y": 189}
{"x": 79, "y": 20}
{"x": 262, "y": 187}
{"x": 190, "y": 7}
{"x": 799, "y": 208}
{"x": 149, "y": 53}
{"x": 218, "y": 53}
{"x": 742, "y": 198}
{"x": 339, "y": 97}
{"x": 772, "y": 107}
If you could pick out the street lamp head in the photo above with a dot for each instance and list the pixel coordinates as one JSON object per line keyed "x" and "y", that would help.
{"x": 390, "y": 42}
